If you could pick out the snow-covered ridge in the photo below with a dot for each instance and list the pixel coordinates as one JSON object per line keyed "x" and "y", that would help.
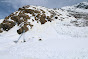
{"x": 28, "y": 16}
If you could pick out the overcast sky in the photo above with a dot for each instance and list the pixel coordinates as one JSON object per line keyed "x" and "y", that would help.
{"x": 9, "y": 6}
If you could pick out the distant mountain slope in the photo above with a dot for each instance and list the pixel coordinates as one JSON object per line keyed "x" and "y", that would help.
{"x": 80, "y": 12}
{"x": 83, "y": 5}
{"x": 80, "y": 7}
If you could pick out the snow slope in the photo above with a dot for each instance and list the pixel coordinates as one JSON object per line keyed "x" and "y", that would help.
{"x": 55, "y": 43}
{"x": 58, "y": 39}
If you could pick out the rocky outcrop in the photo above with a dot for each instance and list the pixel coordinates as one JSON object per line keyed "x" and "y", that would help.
{"x": 22, "y": 19}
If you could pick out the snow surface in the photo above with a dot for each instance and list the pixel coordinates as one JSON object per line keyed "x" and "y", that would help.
{"x": 59, "y": 40}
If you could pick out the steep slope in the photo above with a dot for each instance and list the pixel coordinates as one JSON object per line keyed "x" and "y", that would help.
{"x": 28, "y": 16}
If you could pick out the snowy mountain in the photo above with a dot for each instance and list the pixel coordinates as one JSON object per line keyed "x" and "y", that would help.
{"x": 36, "y": 32}
{"x": 28, "y": 16}
{"x": 80, "y": 7}
{"x": 83, "y": 5}
{"x": 80, "y": 12}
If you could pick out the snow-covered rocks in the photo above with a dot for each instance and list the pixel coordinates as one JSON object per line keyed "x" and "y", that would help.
{"x": 28, "y": 16}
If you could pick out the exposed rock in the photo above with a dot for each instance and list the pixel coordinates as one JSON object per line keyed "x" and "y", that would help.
{"x": 22, "y": 29}
{"x": 25, "y": 18}
{"x": 42, "y": 19}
